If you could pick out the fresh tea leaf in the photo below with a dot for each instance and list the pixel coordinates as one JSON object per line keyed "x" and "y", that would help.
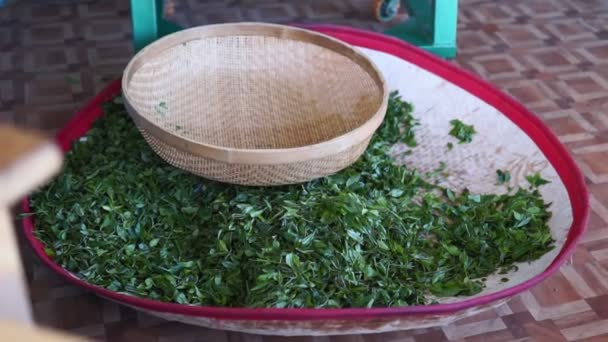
{"x": 461, "y": 131}
{"x": 374, "y": 234}
{"x": 503, "y": 177}
{"x": 536, "y": 180}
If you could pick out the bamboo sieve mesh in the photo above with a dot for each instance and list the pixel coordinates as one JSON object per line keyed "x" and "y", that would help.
{"x": 255, "y": 104}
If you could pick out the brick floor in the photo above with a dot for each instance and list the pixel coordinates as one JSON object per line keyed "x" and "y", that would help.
{"x": 552, "y": 55}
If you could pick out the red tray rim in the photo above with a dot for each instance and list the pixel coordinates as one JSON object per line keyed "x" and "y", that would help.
{"x": 555, "y": 152}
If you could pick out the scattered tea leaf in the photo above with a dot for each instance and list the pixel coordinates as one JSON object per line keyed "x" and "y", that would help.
{"x": 461, "y": 131}
{"x": 503, "y": 177}
{"x": 161, "y": 108}
{"x": 536, "y": 180}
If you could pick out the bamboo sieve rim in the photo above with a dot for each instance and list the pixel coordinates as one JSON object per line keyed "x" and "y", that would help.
{"x": 258, "y": 156}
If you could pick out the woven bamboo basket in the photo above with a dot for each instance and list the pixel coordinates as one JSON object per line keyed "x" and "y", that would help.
{"x": 255, "y": 104}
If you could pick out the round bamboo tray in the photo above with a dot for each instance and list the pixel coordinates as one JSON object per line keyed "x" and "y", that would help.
{"x": 509, "y": 137}
{"x": 255, "y": 104}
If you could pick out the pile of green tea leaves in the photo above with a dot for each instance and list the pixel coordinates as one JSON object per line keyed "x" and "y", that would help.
{"x": 374, "y": 234}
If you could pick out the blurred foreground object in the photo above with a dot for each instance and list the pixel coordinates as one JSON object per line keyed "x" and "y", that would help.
{"x": 27, "y": 160}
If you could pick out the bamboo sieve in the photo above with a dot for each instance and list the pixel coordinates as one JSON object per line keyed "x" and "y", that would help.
{"x": 255, "y": 104}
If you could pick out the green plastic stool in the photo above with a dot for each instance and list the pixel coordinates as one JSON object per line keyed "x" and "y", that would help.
{"x": 148, "y": 23}
{"x": 431, "y": 24}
